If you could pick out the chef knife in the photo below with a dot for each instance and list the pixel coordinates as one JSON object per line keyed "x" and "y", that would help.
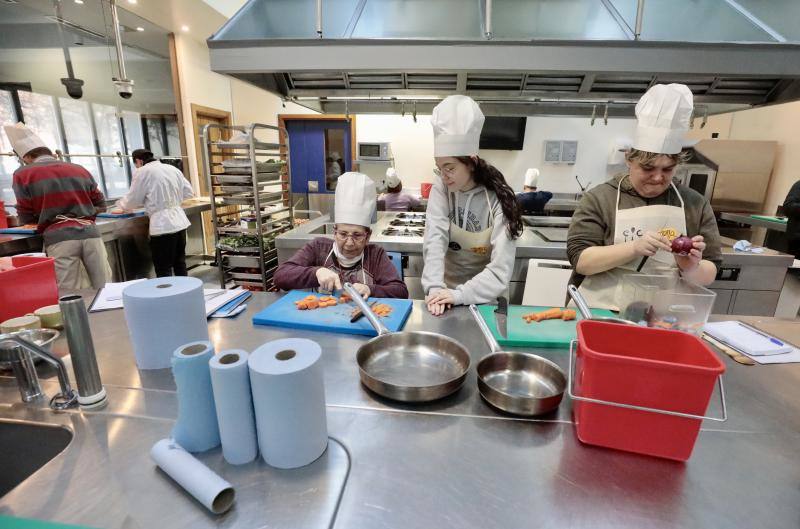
{"x": 358, "y": 314}
{"x": 501, "y": 316}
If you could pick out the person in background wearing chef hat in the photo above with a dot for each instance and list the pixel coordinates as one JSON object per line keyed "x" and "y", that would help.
{"x": 473, "y": 218}
{"x": 531, "y": 200}
{"x": 326, "y": 264}
{"x": 394, "y": 198}
{"x": 62, "y": 199}
{"x": 626, "y": 224}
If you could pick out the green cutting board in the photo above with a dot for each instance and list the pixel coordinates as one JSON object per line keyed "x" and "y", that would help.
{"x": 778, "y": 220}
{"x": 548, "y": 333}
{"x": 6, "y": 522}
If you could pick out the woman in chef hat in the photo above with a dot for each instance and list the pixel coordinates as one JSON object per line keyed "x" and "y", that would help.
{"x": 394, "y": 198}
{"x": 473, "y": 218}
{"x": 626, "y": 224}
{"x": 326, "y": 263}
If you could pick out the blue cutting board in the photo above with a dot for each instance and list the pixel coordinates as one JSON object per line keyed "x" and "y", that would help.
{"x": 284, "y": 313}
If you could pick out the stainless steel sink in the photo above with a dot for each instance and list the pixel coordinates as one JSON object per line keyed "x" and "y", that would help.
{"x": 25, "y": 447}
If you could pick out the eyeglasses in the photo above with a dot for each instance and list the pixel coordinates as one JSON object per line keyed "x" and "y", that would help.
{"x": 450, "y": 170}
{"x": 355, "y": 237}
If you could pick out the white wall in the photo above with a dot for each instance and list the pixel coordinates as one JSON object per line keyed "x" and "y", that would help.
{"x": 412, "y": 145}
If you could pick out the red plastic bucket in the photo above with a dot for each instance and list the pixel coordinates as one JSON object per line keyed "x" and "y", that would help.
{"x": 3, "y": 221}
{"x": 30, "y": 285}
{"x": 425, "y": 190}
{"x": 669, "y": 375}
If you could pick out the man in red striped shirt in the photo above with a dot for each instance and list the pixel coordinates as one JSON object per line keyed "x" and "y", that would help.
{"x": 62, "y": 199}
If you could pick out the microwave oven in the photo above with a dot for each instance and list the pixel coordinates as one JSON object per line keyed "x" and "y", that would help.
{"x": 374, "y": 151}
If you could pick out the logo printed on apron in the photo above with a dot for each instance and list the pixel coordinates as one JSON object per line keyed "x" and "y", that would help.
{"x": 602, "y": 290}
{"x": 469, "y": 252}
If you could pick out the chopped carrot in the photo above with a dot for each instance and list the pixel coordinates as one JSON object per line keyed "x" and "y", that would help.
{"x": 312, "y": 304}
{"x": 568, "y": 314}
{"x": 310, "y": 298}
{"x": 302, "y": 305}
{"x": 549, "y": 314}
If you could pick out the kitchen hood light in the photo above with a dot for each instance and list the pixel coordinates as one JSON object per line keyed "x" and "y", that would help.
{"x": 79, "y": 2}
{"x": 139, "y": 28}
{"x": 185, "y": 28}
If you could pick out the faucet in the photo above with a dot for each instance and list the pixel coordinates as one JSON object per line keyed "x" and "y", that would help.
{"x": 28, "y": 381}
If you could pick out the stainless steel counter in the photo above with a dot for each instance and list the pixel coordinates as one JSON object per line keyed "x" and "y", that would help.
{"x": 454, "y": 463}
{"x": 746, "y": 218}
{"x": 126, "y": 241}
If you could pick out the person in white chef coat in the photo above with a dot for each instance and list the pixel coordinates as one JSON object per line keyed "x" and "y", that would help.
{"x": 626, "y": 224}
{"x": 472, "y": 219}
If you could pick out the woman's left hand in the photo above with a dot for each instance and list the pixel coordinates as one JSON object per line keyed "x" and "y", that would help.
{"x": 362, "y": 289}
{"x": 440, "y": 301}
{"x": 687, "y": 263}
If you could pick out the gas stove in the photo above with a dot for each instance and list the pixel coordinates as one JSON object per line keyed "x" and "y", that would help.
{"x": 411, "y": 216}
{"x": 408, "y": 223}
{"x": 397, "y": 231}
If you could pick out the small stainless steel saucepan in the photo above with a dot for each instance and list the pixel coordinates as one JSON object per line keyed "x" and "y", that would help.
{"x": 409, "y": 366}
{"x": 515, "y": 382}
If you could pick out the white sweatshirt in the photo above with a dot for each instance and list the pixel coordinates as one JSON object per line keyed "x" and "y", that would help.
{"x": 494, "y": 279}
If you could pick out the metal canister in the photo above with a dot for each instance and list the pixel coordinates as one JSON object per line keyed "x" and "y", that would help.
{"x": 91, "y": 393}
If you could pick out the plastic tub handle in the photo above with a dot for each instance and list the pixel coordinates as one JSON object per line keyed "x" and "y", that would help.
{"x": 570, "y": 392}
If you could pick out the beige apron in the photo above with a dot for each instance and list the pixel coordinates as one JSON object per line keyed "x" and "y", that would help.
{"x": 347, "y": 275}
{"x": 603, "y": 290}
{"x": 469, "y": 252}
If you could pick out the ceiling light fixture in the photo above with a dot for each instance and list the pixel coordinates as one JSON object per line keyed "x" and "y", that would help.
{"x": 185, "y": 28}
{"x": 79, "y": 2}
{"x": 131, "y": 1}
{"x": 139, "y": 28}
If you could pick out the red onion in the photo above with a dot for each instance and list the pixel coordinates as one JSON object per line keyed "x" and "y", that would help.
{"x": 682, "y": 245}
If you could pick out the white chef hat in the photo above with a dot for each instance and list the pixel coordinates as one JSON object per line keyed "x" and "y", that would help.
{"x": 23, "y": 139}
{"x": 356, "y": 200}
{"x": 663, "y": 113}
{"x": 457, "y": 122}
{"x": 392, "y": 178}
{"x": 531, "y": 177}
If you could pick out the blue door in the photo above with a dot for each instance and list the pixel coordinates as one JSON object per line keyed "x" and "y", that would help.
{"x": 319, "y": 153}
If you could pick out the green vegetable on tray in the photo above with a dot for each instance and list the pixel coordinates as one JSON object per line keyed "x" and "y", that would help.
{"x": 235, "y": 242}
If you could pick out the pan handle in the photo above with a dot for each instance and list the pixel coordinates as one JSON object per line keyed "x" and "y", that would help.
{"x": 365, "y": 308}
{"x": 487, "y": 334}
{"x": 580, "y": 301}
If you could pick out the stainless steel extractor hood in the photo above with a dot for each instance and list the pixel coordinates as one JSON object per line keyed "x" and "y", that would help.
{"x": 517, "y": 57}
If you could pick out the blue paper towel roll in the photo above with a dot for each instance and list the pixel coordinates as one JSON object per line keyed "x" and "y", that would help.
{"x": 237, "y": 423}
{"x": 163, "y": 314}
{"x": 289, "y": 400}
{"x": 197, "y": 429}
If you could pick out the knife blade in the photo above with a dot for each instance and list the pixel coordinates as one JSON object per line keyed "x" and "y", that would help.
{"x": 358, "y": 314}
{"x": 501, "y": 316}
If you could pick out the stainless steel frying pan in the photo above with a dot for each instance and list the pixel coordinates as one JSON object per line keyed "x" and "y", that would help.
{"x": 409, "y": 366}
{"x": 516, "y": 382}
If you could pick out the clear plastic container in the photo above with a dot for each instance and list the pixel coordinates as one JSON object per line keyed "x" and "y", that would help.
{"x": 666, "y": 302}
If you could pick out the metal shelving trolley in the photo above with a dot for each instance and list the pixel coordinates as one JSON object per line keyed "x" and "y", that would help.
{"x": 248, "y": 180}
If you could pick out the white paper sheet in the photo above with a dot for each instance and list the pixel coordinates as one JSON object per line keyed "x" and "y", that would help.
{"x": 110, "y": 297}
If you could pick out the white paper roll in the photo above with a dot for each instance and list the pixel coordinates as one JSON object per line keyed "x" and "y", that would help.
{"x": 163, "y": 314}
{"x": 289, "y": 399}
{"x": 200, "y": 481}
{"x": 230, "y": 379}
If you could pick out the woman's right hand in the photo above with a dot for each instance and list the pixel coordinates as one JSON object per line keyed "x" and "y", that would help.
{"x": 439, "y": 301}
{"x": 328, "y": 279}
{"x": 650, "y": 243}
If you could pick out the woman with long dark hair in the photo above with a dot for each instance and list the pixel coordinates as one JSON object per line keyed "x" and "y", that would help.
{"x": 473, "y": 218}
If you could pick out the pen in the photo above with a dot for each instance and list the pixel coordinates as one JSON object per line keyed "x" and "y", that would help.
{"x": 765, "y": 335}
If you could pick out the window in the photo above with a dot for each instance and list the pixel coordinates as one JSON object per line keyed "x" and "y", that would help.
{"x": 79, "y": 135}
{"x": 39, "y": 113}
{"x": 109, "y": 137}
{"x": 8, "y": 164}
{"x": 134, "y": 137}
